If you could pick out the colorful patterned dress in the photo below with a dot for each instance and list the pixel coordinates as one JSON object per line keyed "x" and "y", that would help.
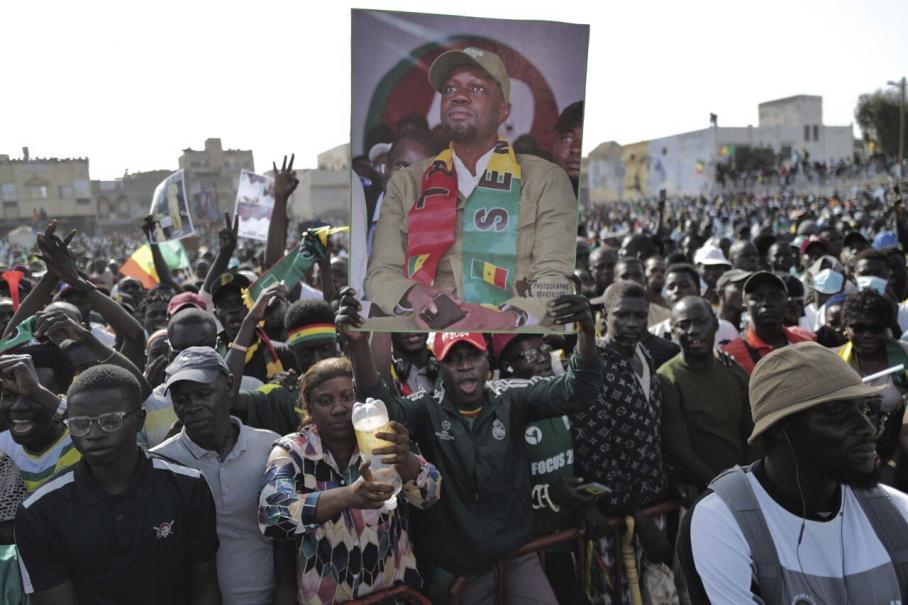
{"x": 359, "y": 551}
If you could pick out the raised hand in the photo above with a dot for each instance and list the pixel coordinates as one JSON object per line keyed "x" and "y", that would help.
{"x": 348, "y": 316}
{"x": 148, "y": 226}
{"x": 56, "y": 255}
{"x": 268, "y": 296}
{"x": 227, "y": 236}
{"x": 20, "y": 370}
{"x": 57, "y": 326}
{"x": 285, "y": 180}
{"x": 572, "y": 308}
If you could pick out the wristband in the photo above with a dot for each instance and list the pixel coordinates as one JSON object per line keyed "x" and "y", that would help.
{"x": 61, "y": 409}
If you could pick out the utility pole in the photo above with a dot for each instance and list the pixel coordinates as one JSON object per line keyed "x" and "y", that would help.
{"x": 901, "y": 85}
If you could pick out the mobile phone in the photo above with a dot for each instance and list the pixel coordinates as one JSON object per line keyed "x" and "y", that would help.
{"x": 448, "y": 312}
{"x": 594, "y": 489}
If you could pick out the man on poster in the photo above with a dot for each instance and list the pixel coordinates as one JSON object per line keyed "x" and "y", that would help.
{"x": 476, "y": 225}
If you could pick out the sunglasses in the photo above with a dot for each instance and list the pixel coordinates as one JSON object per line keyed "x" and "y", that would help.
{"x": 531, "y": 355}
{"x": 111, "y": 422}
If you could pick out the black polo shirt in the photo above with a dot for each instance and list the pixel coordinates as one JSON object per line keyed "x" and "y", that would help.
{"x": 138, "y": 547}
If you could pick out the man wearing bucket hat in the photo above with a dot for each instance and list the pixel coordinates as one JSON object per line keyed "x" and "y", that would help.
{"x": 766, "y": 298}
{"x": 807, "y": 523}
{"x": 476, "y": 222}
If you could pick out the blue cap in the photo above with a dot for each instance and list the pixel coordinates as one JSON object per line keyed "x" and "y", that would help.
{"x": 885, "y": 239}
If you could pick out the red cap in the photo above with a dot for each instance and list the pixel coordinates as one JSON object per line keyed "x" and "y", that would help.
{"x": 445, "y": 340}
{"x": 185, "y": 299}
{"x": 500, "y": 342}
{"x": 811, "y": 241}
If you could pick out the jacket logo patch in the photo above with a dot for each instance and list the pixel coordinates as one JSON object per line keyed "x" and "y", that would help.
{"x": 498, "y": 431}
{"x": 163, "y": 530}
{"x": 533, "y": 435}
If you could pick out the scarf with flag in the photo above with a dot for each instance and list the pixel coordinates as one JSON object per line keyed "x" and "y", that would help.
{"x": 489, "y": 239}
{"x": 291, "y": 267}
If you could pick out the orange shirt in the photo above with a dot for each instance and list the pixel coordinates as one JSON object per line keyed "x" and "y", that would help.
{"x": 749, "y": 349}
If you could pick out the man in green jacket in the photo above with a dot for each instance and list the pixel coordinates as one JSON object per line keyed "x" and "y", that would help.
{"x": 474, "y": 434}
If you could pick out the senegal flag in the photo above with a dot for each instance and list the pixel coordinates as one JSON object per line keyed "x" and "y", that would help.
{"x": 141, "y": 264}
{"x": 489, "y": 273}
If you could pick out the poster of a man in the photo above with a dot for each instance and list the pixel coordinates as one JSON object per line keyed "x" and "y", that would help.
{"x": 475, "y": 235}
{"x": 254, "y": 203}
{"x": 169, "y": 209}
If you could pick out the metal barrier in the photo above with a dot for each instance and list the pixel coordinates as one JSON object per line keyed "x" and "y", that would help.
{"x": 398, "y": 594}
{"x": 405, "y": 594}
{"x": 540, "y": 544}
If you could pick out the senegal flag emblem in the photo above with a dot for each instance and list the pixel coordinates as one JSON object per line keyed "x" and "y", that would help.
{"x": 415, "y": 263}
{"x": 490, "y": 274}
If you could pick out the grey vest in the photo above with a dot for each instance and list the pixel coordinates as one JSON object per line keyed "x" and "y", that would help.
{"x": 733, "y": 487}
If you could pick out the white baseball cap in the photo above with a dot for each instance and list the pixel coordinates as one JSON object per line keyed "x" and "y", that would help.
{"x": 710, "y": 255}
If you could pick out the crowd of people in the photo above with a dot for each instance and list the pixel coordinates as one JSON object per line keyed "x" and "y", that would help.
{"x": 724, "y": 421}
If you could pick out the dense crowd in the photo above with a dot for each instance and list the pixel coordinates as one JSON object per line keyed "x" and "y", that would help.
{"x": 723, "y": 422}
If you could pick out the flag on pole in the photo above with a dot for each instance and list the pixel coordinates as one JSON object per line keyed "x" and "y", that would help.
{"x": 140, "y": 265}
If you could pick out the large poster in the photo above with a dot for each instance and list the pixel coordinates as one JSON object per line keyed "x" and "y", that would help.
{"x": 466, "y": 138}
{"x": 254, "y": 203}
{"x": 170, "y": 210}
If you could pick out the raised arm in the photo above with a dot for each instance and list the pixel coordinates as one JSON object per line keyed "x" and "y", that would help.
{"x": 236, "y": 351}
{"x": 160, "y": 265}
{"x": 365, "y": 375}
{"x": 579, "y": 386}
{"x": 284, "y": 184}
{"x": 37, "y": 298}
{"x": 227, "y": 239}
{"x": 60, "y": 261}
{"x": 58, "y": 327}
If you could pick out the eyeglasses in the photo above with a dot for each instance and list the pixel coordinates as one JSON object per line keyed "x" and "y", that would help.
{"x": 531, "y": 355}
{"x": 79, "y": 426}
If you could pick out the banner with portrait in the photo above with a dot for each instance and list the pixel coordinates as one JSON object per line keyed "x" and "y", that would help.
{"x": 254, "y": 203}
{"x": 170, "y": 210}
{"x": 466, "y": 141}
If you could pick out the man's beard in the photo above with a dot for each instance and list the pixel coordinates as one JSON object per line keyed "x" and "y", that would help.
{"x": 855, "y": 479}
{"x": 464, "y": 134}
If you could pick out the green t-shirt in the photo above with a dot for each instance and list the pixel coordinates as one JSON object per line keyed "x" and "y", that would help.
{"x": 706, "y": 419}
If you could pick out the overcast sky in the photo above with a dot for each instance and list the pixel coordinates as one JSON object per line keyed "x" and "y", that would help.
{"x": 130, "y": 84}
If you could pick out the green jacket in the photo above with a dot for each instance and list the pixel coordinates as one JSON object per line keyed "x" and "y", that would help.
{"x": 485, "y": 511}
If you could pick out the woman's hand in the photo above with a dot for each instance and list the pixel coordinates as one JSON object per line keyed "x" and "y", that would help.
{"x": 365, "y": 493}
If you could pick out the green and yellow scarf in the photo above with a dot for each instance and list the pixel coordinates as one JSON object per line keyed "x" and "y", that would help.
{"x": 489, "y": 226}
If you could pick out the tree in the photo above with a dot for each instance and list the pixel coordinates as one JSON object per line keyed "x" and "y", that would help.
{"x": 878, "y": 116}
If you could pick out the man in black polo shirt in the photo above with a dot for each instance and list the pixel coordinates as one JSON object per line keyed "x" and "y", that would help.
{"x": 119, "y": 526}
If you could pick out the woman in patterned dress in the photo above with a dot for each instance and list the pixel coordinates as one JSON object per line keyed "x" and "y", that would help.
{"x": 318, "y": 491}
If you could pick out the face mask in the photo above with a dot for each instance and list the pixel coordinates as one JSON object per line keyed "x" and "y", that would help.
{"x": 872, "y": 282}
{"x": 828, "y": 281}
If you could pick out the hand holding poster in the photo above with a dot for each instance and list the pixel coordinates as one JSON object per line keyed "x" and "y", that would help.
{"x": 170, "y": 210}
{"x": 254, "y": 204}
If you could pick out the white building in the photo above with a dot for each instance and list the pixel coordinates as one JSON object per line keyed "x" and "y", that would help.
{"x": 686, "y": 164}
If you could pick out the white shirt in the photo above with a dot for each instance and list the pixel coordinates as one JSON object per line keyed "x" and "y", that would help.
{"x": 841, "y": 554}
{"x": 467, "y": 182}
